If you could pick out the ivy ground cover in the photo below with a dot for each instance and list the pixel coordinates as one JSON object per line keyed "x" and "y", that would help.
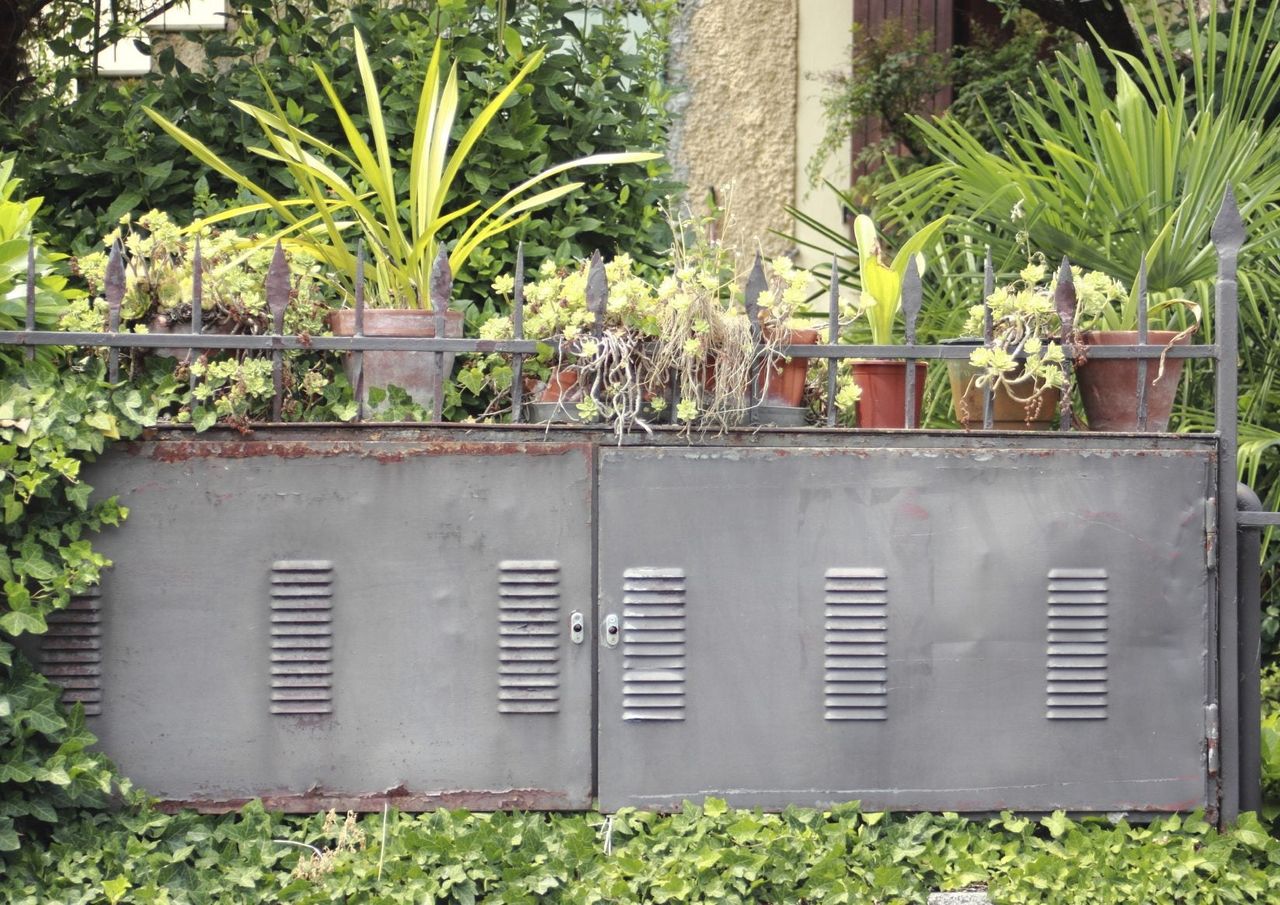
{"x": 701, "y": 854}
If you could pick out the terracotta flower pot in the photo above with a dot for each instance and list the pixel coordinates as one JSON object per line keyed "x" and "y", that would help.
{"x": 413, "y": 372}
{"x": 782, "y": 382}
{"x": 1109, "y": 387}
{"x": 1008, "y": 414}
{"x": 884, "y": 393}
{"x": 561, "y": 385}
{"x": 556, "y": 399}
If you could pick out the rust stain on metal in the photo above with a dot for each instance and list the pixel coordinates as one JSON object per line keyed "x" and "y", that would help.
{"x": 187, "y": 450}
{"x": 319, "y": 799}
{"x": 914, "y": 511}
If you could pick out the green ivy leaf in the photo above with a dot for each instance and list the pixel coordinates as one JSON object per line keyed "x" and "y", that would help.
{"x": 16, "y": 622}
{"x": 1057, "y": 823}
{"x": 115, "y": 888}
{"x": 9, "y": 841}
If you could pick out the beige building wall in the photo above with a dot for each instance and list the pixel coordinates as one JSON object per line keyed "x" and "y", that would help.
{"x": 735, "y": 65}
{"x": 749, "y": 114}
{"x": 823, "y": 47}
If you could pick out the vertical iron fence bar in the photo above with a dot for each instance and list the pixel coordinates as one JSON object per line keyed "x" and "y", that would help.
{"x": 1143, "y": 323}
{"x": 96, "y": 49}
{"x": 597, "y": 303}
{"x": 114, "y": 286}
{"x": 988, "y": 338}
{"x": 833, "y": 336}
{"x": 197, "y": 308}
{"x": 440, "y": 290}
{"x": 910, "y": 313}
{"x": 1064, "y": 300}
{"x": 756, "y": 285}
{"x": 517, "y": 333}
{"x": 358, "y": 355}
{"x": 31, "y": 293}
{"x": 597, "y": 294}
{"x": 278, "y": 302}
{"x": 1228, "y": 238}
{"x": 1249, "y": 652}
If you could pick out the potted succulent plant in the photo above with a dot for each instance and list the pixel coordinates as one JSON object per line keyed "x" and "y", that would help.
{"x": 579, "y": 374}
{"x": 1023, "y": 366}
{"x": 401, "y": 231}
{"x": 159, "y": 266}
{"x": 683, "y": 339}
{"x": 781, "y": 295}
{"x": 882, "y": 384}
{"x": 1108, "y": 387}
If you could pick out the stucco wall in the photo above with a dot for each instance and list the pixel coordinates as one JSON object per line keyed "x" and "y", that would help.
{"x": 735, "y": 63}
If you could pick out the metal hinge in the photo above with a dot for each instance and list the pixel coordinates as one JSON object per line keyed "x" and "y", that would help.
{"x": 1211, "y": 533}
{"x": 1211, "y": 738}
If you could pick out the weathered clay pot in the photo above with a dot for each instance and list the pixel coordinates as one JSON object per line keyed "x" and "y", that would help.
{"x": 1008, "y": 414}
{"x": 561, "y": 385}
{"x": 782, "y": 383}
{"x": 884, "y": 393}
{"x": 413, "y": 372}
{"x": 1109, "y": 387}
{"x": 555, "y": 400}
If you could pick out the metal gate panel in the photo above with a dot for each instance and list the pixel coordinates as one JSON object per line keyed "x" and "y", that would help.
{"x": 943, "y": 629}
{"x": 329, "y": 624}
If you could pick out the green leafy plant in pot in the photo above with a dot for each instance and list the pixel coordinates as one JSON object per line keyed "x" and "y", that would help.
{"x": 402, "y": 234}
{"x": 881, "y": 385}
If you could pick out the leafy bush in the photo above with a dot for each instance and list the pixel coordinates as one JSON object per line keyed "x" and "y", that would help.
{"x": 97, "y": 156}
{"x": 896, "y": 76}
{"x": 51, "y": 420}
{"x": 700, "y": 854}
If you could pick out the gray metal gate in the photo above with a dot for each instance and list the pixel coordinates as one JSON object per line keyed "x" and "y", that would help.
{"x": 316, "y": 622}
{"x": 956, "y": 629}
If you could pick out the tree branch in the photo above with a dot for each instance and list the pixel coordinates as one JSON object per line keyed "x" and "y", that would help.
{"x": 1100, "y": 23}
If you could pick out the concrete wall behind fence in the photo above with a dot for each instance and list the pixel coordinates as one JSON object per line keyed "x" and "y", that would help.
{"x": 748, "y": 109}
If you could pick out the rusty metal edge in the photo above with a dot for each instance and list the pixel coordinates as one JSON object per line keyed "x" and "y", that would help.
{"x": 321, "y": 438}
{"x": 405, "y": 800}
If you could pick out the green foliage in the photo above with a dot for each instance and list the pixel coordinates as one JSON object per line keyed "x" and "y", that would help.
{"x": 330, "y": 213}
{"x": 18, "y": 256}
{"x": 1106, "y": 178}
{"x": 881, "y": 279}
{"x": 598, "y": 90}
{"x": 700, "y": 854}
{"x": 895, "y": 76}
{"x": 51, "y": 421}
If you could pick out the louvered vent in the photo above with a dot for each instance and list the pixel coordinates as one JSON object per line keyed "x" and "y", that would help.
{"x": 302, "y": 637}
{"x": 653, "y": 661}
{"x": 71, "y": 652}
{"x": 529, "y": 636}
{"x": 1076, "y": 687}
{"x": 855, "y": 645}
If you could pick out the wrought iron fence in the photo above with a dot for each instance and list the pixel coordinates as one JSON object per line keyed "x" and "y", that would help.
{"x": 1228, "y": 236}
